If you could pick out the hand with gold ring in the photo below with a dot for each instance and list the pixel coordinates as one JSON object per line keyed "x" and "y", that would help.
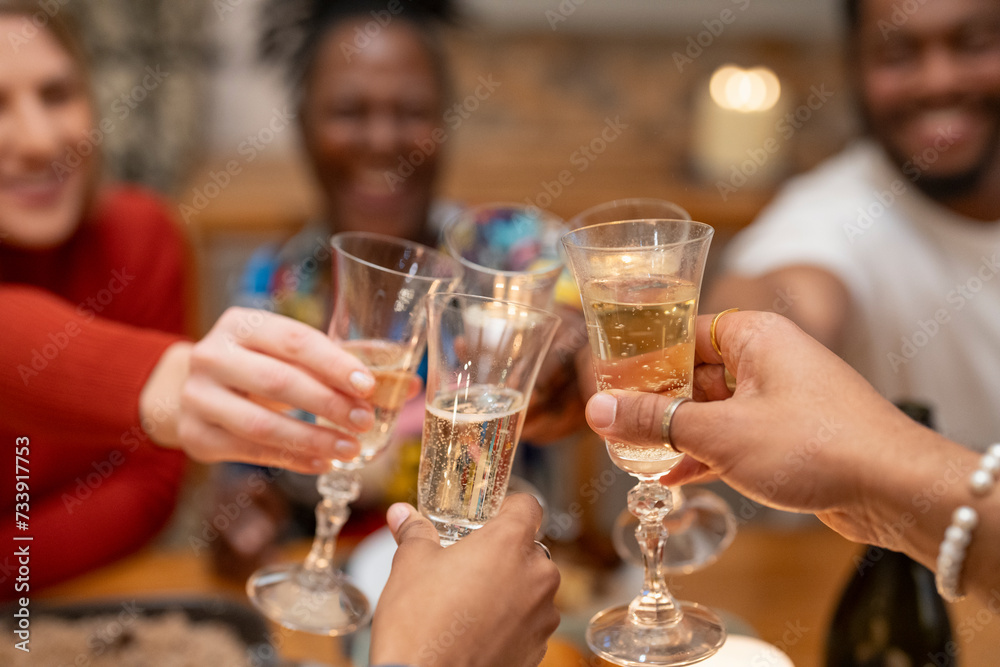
{"x": 803, "y": 431}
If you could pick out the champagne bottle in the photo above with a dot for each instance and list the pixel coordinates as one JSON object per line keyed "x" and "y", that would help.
{"x": 890, "y": 614}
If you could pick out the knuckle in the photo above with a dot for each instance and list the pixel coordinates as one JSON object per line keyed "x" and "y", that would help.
{"x": 202, "y": 357}
{"x": 274, "y": 380}
{"x": 259, "y": 425}
{"x": 551, "y": 578}
{"x": 231, "y": 317}
{"x": 316, "y": 445}
{"x": 335, "y": 407}
{"x": 552, "y": 620}
{"x": 295, "y": 340}
{"x": 192, "y": 398}
{"x": 413, "y": 528}
{"x": 188, "y": 433}
{"x": 507, "y": 532}
{"x": 301, "y": 447}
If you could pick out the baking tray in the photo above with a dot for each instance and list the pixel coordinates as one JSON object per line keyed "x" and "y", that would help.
{"x": 248, "y": 625}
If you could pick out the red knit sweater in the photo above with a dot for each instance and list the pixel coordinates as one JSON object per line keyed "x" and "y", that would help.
{"x": 83, "y": 326}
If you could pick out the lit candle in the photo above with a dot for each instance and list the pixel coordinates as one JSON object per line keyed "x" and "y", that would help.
{"x": 735, "y": 137}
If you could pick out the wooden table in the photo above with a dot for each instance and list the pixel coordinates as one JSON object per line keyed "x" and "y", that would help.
{"x": 784, "y": 584}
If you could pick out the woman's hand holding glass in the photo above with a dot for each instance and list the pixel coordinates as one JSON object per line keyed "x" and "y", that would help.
{"x": 212, "y": 398}
{"x": 380, "y": 285}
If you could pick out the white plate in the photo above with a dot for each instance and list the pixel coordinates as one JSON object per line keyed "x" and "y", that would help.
{"x": 370, "y": 562}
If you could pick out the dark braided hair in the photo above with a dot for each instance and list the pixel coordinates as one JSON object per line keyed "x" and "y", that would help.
{"x": 293, "y": 30}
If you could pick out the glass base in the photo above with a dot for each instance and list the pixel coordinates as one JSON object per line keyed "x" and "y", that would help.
{"x": 697, "y": 635}
{"x": 301, "y": 600}
{"x": 697, "y": 533}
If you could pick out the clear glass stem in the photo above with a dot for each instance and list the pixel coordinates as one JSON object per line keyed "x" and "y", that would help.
{"x": 339, "y": 488}
{"x": 650, "y": 502}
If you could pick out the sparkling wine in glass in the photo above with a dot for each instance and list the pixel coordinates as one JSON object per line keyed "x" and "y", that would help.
{"x": 639, "y": 281}
{"x": 380, "y": 285}
{"x": 512, "y": 252}
{"x": 701, "y": 525}
{"x": 483, "y": 358}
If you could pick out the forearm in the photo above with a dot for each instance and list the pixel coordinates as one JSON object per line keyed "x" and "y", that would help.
{"x": 87, "y": 371}
{"x": 104, "y": 508}
{"x": 912, "y": 498}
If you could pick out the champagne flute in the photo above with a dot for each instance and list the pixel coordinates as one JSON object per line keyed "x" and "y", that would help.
{"x": 701, "y": 525}
{"x": 512, "y": 252}
{"x": 508, "y": 251}
{"x": 380, "y": 285}
{"x": 639, "y": 281}
{"x": 483, "y": 357}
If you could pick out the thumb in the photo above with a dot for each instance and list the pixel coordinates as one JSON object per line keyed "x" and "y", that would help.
{"x": 408, "y": 525}
{"x": 702, "y": 430}
{"x": 522, "y": 511}
{"x": 631, "y": 416}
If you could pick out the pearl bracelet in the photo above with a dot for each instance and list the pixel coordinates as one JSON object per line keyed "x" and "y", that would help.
{"x": 963, "y": 521}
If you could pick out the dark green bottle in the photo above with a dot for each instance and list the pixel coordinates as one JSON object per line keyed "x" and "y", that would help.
{"x": 890, "y": 614}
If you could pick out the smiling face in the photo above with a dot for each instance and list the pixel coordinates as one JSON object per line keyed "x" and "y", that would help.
{"x": 45, "y": 112}
{"x": 930, "y": 84}
{"x": 364, "y": 114}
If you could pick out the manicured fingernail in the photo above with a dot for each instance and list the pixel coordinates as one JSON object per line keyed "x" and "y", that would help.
{"x": 396, "y": 515}
{"x": 346, "y": 449}
{"x": 361, "y": 418}
{"x": 362, "y": 382}
{"x": 601, "y": 410}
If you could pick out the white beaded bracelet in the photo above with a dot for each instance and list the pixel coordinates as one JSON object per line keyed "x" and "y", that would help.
{"x": 963, "y": 521}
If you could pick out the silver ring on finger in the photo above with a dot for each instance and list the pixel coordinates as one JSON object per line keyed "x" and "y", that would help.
{"x": 668, "y": 415}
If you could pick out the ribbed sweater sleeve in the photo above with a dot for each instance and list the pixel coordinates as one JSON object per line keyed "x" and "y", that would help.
{"x": 69, "y": 375}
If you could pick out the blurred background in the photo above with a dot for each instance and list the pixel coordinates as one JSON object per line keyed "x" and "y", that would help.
{"x": 565, "y": 103}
